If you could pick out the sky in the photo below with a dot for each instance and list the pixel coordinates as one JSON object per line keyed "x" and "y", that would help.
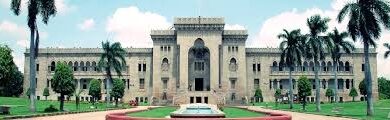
{"x": 85, "y": 23}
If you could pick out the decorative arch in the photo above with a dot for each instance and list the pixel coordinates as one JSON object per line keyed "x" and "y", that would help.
{"x": 341, "y": 66}
{"x": 311, "y": 66}
{"x": 70, "y": 64}
{"x": 281, "y": 66}
{"x": 347, "y": 66}
{"x": 233, "y": 64}
{"x": 75, "y": 66}
{"x": 275, "y": 66}
{"x": 329, "y": 66}
{"x": 199, "y": 66}
{"x": 305, "y": 66}
{"x": 87, "y": 66}
{"x": 82, "y": 65}
{"x": 165, "y": 64}
{"x": 52, "y": 66}
{"x": 323, "y": 66}
{"x": 94, "y": 66}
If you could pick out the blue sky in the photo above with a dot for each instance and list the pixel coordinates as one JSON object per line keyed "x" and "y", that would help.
{"x": 85, "y": 23}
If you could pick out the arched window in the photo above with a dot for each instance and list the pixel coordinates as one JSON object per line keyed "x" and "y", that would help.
{"x": 311, "y": 66}
{"x": 281, "y": 66}
{"x": 329, "y": 66}
{"x": 70, "y": 64}
{"x": 323, "y": 65}
{"x": 341, "y": 66}
{"x": 305, "y": 66}
{"x": 52, "y": 66}
{"x": 82, "y": 65}
{"x": 94, "y": 66}
{"x": 75, "y": 66}
{"x": 274, "y": 66}
{"x": 87, "y": 66}
{"x": 233, "y": 64}
{"x": 299, "y": 67}
{"x": 347, "y": 66}
{"x": 165, "y": 64}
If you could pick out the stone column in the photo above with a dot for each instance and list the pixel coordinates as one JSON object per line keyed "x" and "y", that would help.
{"x": 344, "y": 84}
{"x": 277, "y": 84}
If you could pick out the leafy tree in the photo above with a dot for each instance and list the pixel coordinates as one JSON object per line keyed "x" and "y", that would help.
{"x": 62, "y": 82}
{"x": 277, "y": 95}
{"x": 258, "y": 95}
{"x": 94, "y": 90}
{"x": 316, "y": 46}
{"x": 339, "y": 45}
{"x": 46, "y": 92}
{"x": 304, "y": 90}
{"x": 387, "y": 53}
{"x": 384, "y": 88}
{"x": 366, "y": 18}
{"x": 118, "y": 90}
{"x": 353, "y": 93}
{"x": 77, "y": 97}
{"x": 47, "y": 9}
{"x": 11, "y": 79}
{"x": 362, "y": 88}
{"x": 329, "y": 93}
{"x": 292, "y": 51}
{"x": 113, "y": 57}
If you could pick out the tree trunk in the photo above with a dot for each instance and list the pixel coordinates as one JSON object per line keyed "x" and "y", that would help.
{"x": 46, "y": 98}
{"x": 353, "y": 99}
{"x": 276, "y": 102}
{"x": 317, "y": 83}
{"x": 32, "y": 71}
{"x": 116, "y": 102}
{"x": 108, "y": 90}
{"x": 77, "y": 102}
{"x": 291, "y": 87}
{"x": 368, "y": 80}
{"x": 61, "y": 102}
{"x": 304, "y": 104}
{"x": 336, "y": 82}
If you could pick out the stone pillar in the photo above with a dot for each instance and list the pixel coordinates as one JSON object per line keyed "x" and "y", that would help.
{"x": 344, "y": 84}
{"x": 277, "y": 84}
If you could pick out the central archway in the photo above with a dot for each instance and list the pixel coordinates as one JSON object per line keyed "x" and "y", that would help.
{"x": 199, "y": 67}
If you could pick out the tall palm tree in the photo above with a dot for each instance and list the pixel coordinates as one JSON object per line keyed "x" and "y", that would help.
{"x": 47, "y": 9}
{"x": 292, "y": 51}
{"x": 365, "y": 20}
{"x": 316, "y": 48}
{"x": 113, "y": 58}
{"x": 387, "y": 53}
{"x": 339, "y": 45}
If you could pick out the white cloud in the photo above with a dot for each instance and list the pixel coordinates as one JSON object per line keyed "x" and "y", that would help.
{"x": 18, "y": 32}
{"x": 234, "y": 27}
{"x": 87, "y": 24}
{"x": 132, "y": 27}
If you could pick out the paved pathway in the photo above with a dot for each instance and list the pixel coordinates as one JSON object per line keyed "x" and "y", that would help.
{"x": 300, "y": 116}
{"x": 101, "y": 115}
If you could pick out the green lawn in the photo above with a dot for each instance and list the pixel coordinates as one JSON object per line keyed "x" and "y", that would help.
{"x": 161, "y": 112}
{"x": 20, "y": 106}
{"x": 232, "y": 112}
{"x": 351, "y": 109}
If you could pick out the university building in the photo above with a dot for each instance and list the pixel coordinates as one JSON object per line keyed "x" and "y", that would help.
{"x": 198, "y": 61}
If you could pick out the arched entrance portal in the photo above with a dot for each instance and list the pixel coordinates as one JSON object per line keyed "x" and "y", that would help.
{"x": 199, "y": 67}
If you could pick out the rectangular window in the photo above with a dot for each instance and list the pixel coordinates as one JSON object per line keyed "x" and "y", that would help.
{"x": 165, "y": 83}
{"x": 258, "y": 67}
{"x": 47, "y": 83}
{"x": 362, "y": 67}
{"x": 254, "y": 67}
{"x": 233, "y": 84}
{"x": 144, "y": 67}
{"x": 199, "y": 66}
{"x": 37, "y": 67}
{"x": 141, "y": 83}
{"x": 128, "y": 84}
{"x": 36, "y": 82}
{"x": 256, "y": 83}
{"x": 139, "y": 67}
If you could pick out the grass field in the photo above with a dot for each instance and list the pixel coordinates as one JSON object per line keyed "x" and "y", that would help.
{"x": 161, "y": 112}
{"x": 351, "y": 109}
{"x": 232, "y": 112}
{"x": 20, "y": 106}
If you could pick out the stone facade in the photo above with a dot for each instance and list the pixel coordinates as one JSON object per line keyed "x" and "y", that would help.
{"x": 198, "y": 61}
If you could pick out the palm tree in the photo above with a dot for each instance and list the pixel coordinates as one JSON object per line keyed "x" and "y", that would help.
{"x": 365, "y": 20}
{"x": 316, "y": 46}
{"x": 113, "y": 57}
{"x": 292, "y": 51}
{"x": 339, "y": 45}
{"x": 387, "y": 53}
{"x": 47, "y": 9}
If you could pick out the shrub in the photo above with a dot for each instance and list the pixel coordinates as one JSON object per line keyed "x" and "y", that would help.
{"x": 51, "y": 108}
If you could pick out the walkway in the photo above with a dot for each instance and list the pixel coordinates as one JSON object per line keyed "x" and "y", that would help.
{"x": 85, "y": 116}
{"x": 300, "y": 116}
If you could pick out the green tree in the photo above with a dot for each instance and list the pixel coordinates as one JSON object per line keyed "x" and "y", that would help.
{"x": 363, "y": 88}
{"x": 366, "y": 18}
{"x": 258, "y": 95}
{"x": 277, "y": 95}
{"x": 11, "y": 79}
{"x": 316, "y": 47}
{"x": 118, "y": 90}
{"x": 77, "y": 97}
{"x": 384, "y": 88}
{"x": 387, "y": 53}
{"x": 339, "y": 46}
{"x": 94, "y": 90}
{"x": 47, "y": 9}
{"x": 62, "y": 82}
{"x": 113, "y": 58}
{"x": 46, "y": 92}
{"x": 353, "y": 93}
{"x": 292, "y": 51}
{"x": 304, "y": 90}
{"x": 329, "y": 93}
